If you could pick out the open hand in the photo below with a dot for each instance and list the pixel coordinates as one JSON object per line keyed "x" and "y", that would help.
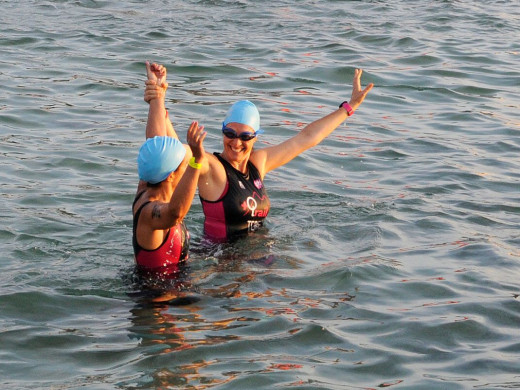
{"x": 358, "y": 94}
{"x": 195, "y": 138}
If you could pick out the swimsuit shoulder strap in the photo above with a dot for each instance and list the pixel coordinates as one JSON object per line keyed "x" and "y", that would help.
{"x": 250, "y": 165}
{"x": 222, "y": 160}
{"x": 137, "y": 197}
{"x": 138, "y": 213}
{"x": 253, "y": 170}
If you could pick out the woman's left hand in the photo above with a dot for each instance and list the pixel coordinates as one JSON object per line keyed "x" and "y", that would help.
{"x": 358, "y": 94}
{"x": 156, "y": 72}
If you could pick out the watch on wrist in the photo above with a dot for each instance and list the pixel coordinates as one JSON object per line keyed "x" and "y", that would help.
{"x": 347, "y": 107}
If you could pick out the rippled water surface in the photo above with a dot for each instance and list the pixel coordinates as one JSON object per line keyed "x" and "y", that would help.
{"x": 391, "y": 256}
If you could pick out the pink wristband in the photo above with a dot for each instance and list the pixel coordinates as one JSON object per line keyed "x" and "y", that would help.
{"x": 347, "y": 107}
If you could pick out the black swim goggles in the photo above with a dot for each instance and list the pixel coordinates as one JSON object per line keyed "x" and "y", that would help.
{"x": 245, "y": 136}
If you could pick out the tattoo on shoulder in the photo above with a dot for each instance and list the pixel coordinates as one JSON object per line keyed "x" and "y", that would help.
{"x": 156, "y": 211}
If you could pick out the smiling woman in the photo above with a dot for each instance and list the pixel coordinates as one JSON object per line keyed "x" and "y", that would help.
{"x": 231, "y": 187}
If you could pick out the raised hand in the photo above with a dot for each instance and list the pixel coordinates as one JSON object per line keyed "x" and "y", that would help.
{"x": 156, "y": 84}
{"x": 195, "y": 138}
{"x": 153, "y": 91}
{"x": 156, "y": 72}
{"x": 358, "y": 94}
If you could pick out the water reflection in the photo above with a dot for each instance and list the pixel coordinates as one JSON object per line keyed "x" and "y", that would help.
{"x": 208, "y": 325}
{"x": 163, "y": 329}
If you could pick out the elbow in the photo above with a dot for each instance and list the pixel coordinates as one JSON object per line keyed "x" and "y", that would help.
{"x": 312, "y": 142}
{"x": 308, "y": 139}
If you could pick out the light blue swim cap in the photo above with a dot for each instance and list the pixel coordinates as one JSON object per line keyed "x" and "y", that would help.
{"x": 244, "y": 112}
{"x": 158, "y": 157}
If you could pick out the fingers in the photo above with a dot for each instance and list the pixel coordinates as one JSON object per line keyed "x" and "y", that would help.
{"x": 160, "y": 73}
{"x": 196, "y": 134}
{"x": 149, "y": 74}
{"x": 368, "y": 88}
{"x": 156, "y": 72}
{"x": 358, "y": 94}
{"x": 157, "y": 68}
{"x": 152, "y": 85}
{"x": 202, "y": 134}
{"x": 357, "y": 79}
{"x": 357, "y": 82}
{"x": 156, "y": 84}
{"x": 153, "y": 91}
{"x": 196, "y": 130}
{"x": 191, "y": 131}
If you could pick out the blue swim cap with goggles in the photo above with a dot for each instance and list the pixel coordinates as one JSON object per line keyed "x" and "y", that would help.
{"x": 158, "y": 157}
{"x": 246, "y": 113}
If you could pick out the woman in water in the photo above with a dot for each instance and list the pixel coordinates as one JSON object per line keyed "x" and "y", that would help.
{"x": 230, "y": 183}
{"x": 168, "y": 173}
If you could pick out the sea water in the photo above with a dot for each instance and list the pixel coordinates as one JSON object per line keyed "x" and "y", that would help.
{"x": 390, "y": 257}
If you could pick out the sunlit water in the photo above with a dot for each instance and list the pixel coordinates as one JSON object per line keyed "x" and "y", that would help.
{"x": 391, "y": 255}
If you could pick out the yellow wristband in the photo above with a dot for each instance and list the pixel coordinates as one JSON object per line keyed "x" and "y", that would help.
{"x": 193, "y": 164}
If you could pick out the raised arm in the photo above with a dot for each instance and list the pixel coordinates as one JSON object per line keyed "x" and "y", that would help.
{"x": 169, "y": 214}
{"x": 273, "y": 157}
{"x": 159, "y": 123}
{"x": 182, "y": 197}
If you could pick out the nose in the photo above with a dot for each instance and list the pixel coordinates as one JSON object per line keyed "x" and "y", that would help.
{"x": 236, "y": 142}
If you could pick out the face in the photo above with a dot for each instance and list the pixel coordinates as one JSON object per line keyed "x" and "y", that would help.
{"x": 237, "y": 149}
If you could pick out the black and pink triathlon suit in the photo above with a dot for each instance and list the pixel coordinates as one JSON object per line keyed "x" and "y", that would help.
{"x": 241, "y": 208}
{"x": 165, "y": 259}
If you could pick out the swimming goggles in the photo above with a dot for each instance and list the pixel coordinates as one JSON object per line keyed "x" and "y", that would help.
{"x": 245, "y": 136}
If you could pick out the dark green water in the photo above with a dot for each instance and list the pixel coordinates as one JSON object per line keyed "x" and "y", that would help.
{"x": 391, "y": 256}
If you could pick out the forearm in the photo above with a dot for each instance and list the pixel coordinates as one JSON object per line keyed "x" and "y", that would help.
{"x": 182, "y": 197}
{"x": 156, "y": 123}
{"x": 315, "y": 132}
{"x": 170, "y": 131}
{"x": 275, "y": 156}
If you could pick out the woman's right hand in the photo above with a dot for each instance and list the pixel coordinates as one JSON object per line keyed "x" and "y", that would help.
{"x": 153, "y": 91}
{"x": 195, "y": 138}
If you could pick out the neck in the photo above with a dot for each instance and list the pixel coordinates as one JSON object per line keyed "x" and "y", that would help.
{"x": 239, "y": 165}
{"x": 162, "y": 192}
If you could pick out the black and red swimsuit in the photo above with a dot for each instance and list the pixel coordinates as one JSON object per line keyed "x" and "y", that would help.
{"x": 166, "y": 258}
{"x": 241, "y": 208}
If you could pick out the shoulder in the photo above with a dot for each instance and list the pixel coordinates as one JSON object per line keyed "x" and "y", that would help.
{"x": 214, "y": 166}
{"x": 212, "y": 180}
{"x": 258, "y": 158}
